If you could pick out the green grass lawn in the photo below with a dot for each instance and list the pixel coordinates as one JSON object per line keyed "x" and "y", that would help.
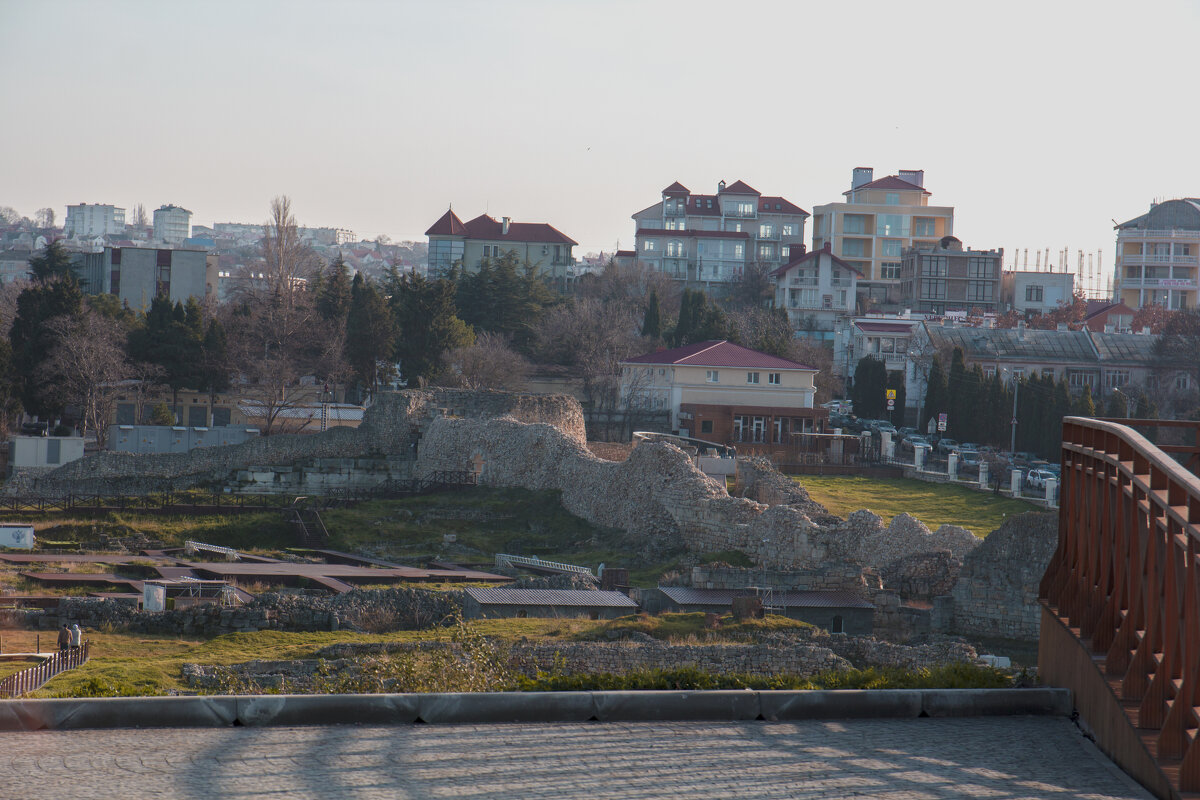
{"x": 934, "y": 504}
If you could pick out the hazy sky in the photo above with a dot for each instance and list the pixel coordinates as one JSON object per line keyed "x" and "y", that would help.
{"x": 1039, "y": 121}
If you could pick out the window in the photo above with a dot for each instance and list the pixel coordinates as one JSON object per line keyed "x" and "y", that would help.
{"x": 892, "y": 198}
{"x": 891, "y": 225}
{"x": 674, "y": 248}
{"x": 989, "y": 371}
{"x": 789, "y": 230}
{"x": 924, "y": 226}
{"x": 751, "y": 377}
{"x": 854, "y": 223}
{"x": 890, "y": 270}
{"x": 773, "y": 378}
{"x": 1034, "y": 293}
{"x": 706, "y": 426}
{"x": 980, "y": 268}
{"x": 777, "y": 431}
{"x": 785, "y": 251}
{"x": 891, "y": 248}
{"x": 713, "y": 376}
{"x": 932, "y": 289}
{"x": 1116, "y": 378}
{"x": 852, "y": 247}
{"x": 766, "y": 231}
{"x": 933, "y": 265}
{"x": 1183, "y": 381}
{"x": 979, "y": 291}
{"x": 1078, "y": 380}
{"x": 740, "y": 425}
{"x": 649, "y": 244}
{"x": 759, "y": 429}
{"x": 766, "y": 251}
{"x": 739, "y": 251}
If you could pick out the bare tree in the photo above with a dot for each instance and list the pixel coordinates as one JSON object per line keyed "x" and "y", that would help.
{"x": 44, "y": 218}
{"x": 289, "y": 262}
{"x": 815, "y": 354}
{"x": 147, "y": 382}
{"x": 490, "y": 363}
{"x": 86, "y": 366}
{"x": 9, "y": 215}
{"x": 138, "y": 217}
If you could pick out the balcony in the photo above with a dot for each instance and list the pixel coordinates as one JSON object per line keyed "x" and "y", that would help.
{"x": 1155, "y": 258}
{"x": 675, "y": 211}
{"x": 674, "y": 255}
{"x": 1158, "y": 283}
{"x": 735, "y": 214}
{"x": 1136, "y": 233}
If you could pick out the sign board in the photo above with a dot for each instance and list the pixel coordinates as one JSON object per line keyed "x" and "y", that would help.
{"x": 941, "y": 423}
{"x": 891, "y": 394}
{"x": 891, "y": 404}
{"x": 17, "y": 536}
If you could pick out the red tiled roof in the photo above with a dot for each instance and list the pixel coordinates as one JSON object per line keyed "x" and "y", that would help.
{"x": 676, "y": 188}
{"x": 1097, "y": 307}
{"x": 890, "y": 182}
{"x": 698, "y": 204}
{"x": 626, "y": 253}
{"x": 716, "y": 354}
{"x": 739, "y": 187}
{"x": 884, "y": 327}
{"x": 779, "y": 271}
{"x": 485, "y": 227}
{"x": 698, "y": 234}
{"x": 785, "y": 206}
{"x": 448, "y": 225}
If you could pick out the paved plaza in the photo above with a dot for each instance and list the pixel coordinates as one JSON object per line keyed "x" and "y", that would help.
{"x": 903, "y": 759}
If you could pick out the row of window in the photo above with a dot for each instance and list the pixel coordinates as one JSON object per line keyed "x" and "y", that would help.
{"x": 1112, "y": 378}
{"x": 889, "y": 225}
{"x": 773, "y": 378}
{"x": 754, "y": 429}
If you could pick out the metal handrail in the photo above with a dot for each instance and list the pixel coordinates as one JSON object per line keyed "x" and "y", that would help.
{"x": 504, "y": 559}
{"x": 33, "y": 678}
{"x": 1126, "y": 575}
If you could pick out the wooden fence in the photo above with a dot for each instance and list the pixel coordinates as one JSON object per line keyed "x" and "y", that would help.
{"x": 31, "y": 679}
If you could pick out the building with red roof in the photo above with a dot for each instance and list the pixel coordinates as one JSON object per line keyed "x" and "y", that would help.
{"x": 879, "y": 220}
{"x": 707, "y": 240}
{"x": 454, "y": 242}
{"x": 725, "y": 393}
{"x": 815, "y": 288}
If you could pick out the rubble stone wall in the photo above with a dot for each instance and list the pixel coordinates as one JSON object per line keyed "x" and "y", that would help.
{"x": 997, "y": 589}
{"x": 835, "y": 576}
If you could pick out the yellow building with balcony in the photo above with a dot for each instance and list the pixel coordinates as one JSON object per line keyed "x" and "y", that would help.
{"x": 877, "y": 222}
{"x": 1158, "y": 254}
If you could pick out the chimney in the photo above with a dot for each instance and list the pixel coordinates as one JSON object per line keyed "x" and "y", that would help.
{"x": 504, "y": 226}
{"x": 861, "y": 175}
{"x": 720, "y": 187}
{"x": 799, "y": 249}
{"x": 827, "y": 247}
{"x": 916, "y": 176}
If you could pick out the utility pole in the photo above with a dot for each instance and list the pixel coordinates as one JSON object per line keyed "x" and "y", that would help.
{"x": 1016, "y": 390}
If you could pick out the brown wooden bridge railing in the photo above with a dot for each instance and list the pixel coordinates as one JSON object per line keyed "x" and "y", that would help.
{"x": 1121, "y": 598}
{"x": 31, "y": 679}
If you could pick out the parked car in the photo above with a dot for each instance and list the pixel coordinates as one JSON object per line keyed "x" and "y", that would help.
{"x": 968, "y": 457}
{"x": 1024, "y": 458}
{"x": 946, "y": 445}
{"x": 881, "y": 425}
{"x": 1036, "y": 478}
{"x": 906, "y": 431}
{"x": 911, "y": 442}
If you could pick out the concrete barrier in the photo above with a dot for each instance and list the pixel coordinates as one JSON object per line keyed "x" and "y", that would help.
{"x": 483, "y": 708}
{"x": 843, "y": 704}
{"x": 327, "y": 709}
{"x": 660, "y": 706}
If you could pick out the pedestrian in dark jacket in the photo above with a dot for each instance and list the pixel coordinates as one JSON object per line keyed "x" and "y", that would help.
{"x": 64, "y": 637}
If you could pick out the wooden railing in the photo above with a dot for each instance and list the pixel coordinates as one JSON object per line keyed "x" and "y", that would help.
{"x": 31, "y": 679}
{"x": 1125, "y": 583}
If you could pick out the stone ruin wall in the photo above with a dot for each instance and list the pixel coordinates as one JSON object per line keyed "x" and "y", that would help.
{"x": 389, "y": 428}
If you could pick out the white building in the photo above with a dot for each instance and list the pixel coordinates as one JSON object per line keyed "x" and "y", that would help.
{"x": 815, "y": 288}
{"x": 1037, "y": 292}
{"x": 172, "y": 224}
{"x": 93, "y": 220}
{"x": 899, "y": 342}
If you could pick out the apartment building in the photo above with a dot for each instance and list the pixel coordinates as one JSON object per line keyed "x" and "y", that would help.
{"x": 454, "y": 242}
{"x": 1158, "y": 254}
{"x": 1036, "y": 292}
{"x": 723, "y": 392}
{"x": 137, "y": 275}
{"x": 707, "y": 240}
{"x": 877, "y": 222}
{"x": 93, "y": 219}
{"x": 898, "y": 341}
{"x": 949, "y": 277}
{"x": 172, "y": 224}
{"x": 815, "y": 289}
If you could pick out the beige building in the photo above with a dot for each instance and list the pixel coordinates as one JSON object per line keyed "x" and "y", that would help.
{"x": 723, "y": 392}
{"x": 877, "y": 222}
{"x": 1158, "y": 254}
{"x": 454, "y": 242}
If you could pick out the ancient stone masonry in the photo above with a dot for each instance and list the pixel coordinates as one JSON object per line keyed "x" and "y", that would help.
{"x": 392, "y": 426}
{"x": 369, "y": 610}
{"x": 997, "y": 589}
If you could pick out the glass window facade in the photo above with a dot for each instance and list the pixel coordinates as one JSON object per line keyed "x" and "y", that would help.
{"x": 892, "y": 225}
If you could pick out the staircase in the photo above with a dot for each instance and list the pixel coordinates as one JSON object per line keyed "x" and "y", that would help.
{"x": 306, "y": 522}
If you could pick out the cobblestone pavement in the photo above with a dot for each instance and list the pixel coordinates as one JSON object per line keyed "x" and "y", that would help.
{"x": 912, "y": 759}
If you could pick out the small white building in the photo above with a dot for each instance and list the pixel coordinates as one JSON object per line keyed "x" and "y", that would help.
{"x": 18, "y": 537}
{"x": 172, "y": 224}
{"x": 1037, "y": 292}
{"x": 43, "y": 451}
{"x": 95, "y": 219}
{"x": 815, "y": 288}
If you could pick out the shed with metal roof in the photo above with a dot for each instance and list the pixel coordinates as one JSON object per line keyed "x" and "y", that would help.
{"x": 835, "y": 611}
{"x": 493, "y": 603}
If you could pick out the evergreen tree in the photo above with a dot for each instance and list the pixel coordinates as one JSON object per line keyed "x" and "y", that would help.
{"x": 1061, "y": 407}
{"x": 870, "y": 388}
{"x": 651, "y": 324}
{"x": 895, "y": 380}
{"x": 959, "y": 405}
{"x": 935, "y": 394}
{"x": 426, "y": 321}
{"x": 216, "y": 364}
{"x": 32, "y": 342}
{"x": 370, "y": 331}
{"x": 1116, "y": 407}
{"x": 1084, "y": 406}
{"x": 333, "y": 296}
{"x": 169, "y": 337}
{"x": 53, "y": 262}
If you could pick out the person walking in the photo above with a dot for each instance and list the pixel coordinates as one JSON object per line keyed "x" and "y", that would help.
{"x": 76, "y": 636}
{"x": 64, "y": 637}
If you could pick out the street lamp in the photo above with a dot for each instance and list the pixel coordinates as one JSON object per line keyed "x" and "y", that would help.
{"x": 1128, "y": 403}
{"x": 1016, "y": 391}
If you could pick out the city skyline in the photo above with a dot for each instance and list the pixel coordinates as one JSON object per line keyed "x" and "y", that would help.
{"x": 378, "y": 117}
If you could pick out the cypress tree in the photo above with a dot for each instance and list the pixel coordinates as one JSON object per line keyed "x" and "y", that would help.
{"x": 935, "y": 394}
{"x": 651, "y": 323}
{"x": 1084, "y": 405}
